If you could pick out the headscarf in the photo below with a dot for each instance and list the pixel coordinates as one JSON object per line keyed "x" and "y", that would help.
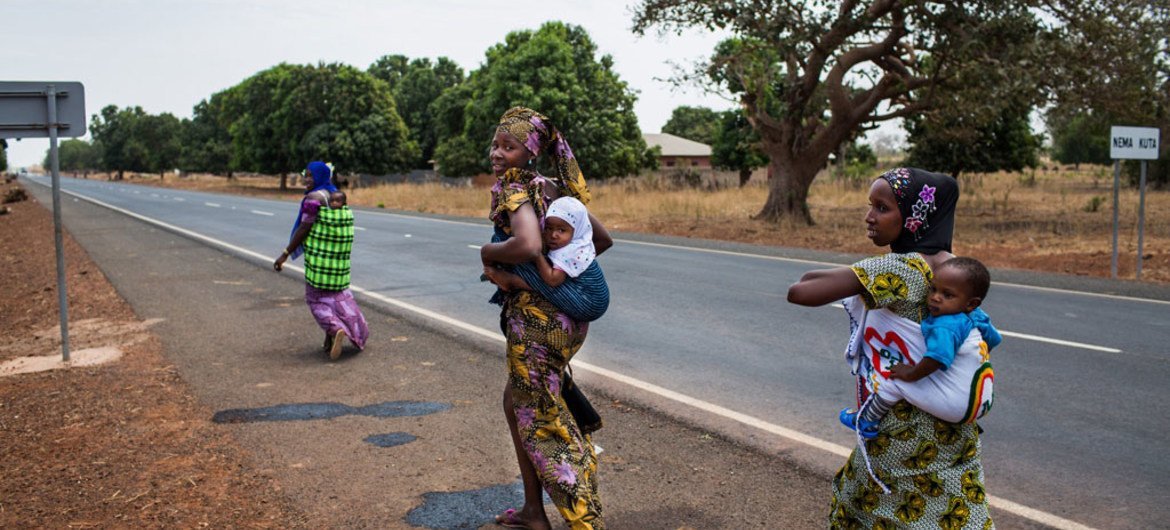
{"x": 576, "y": 256}
{"x": 322, "y": 174}
{"x": 927, "y": 202}
{"x": 539, "y": 135}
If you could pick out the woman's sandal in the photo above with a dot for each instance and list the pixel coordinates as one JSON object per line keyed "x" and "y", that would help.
{"x": 338, "y": 342}
{"x": 508, "y": 519}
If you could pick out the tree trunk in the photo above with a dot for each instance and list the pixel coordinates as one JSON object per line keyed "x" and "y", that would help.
{"x": 744, "y": 176}
{"x": 788, "y": 193}
{"x": 283, "y": 181}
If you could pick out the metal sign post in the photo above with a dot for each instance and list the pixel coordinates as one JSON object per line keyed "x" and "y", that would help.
{"x": 35, "y": 109}
{"x": 1132, "y": 143}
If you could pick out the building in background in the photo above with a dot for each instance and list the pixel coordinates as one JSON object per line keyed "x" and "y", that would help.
{"x": 678, "y": 152}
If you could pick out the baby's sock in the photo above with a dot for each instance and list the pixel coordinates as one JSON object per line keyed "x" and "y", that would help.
{"x": 876, "y": 409}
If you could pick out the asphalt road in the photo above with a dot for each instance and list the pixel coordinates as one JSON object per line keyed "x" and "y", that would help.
{"x": 702, "y": 331}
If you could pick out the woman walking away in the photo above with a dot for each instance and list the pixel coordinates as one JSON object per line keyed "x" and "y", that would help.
{"x": 918, "y": 471}
{"x": 551, "y": 450}
{"x": 323, "y": 232}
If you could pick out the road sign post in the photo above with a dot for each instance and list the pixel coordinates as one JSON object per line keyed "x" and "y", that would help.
{"x": 1131, "y": 143}
{"x": 36, "y": 109}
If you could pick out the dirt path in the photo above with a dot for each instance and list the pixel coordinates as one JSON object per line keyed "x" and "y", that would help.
{"x": 121, "y": 444}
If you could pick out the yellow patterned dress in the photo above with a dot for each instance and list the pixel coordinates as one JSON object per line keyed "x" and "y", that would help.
{"x": 541, "y": 341}
{"x": 933, "y": 468}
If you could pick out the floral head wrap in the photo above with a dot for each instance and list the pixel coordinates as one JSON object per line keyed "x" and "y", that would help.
{"x": 927, "y": 202}
{"x": 539, "y": 135}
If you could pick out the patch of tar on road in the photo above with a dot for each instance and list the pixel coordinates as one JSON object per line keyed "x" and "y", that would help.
{"x": 324, "y": 411}
{"x": 390, "y": 439}
{"x": 467, "y": 510}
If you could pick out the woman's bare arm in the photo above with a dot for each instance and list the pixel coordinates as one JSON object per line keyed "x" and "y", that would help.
{"x": 298, "y": 237}
{"x": 524, "y": 245}
{"x": 824, "y": 286}
{"x": 601, "y": 239}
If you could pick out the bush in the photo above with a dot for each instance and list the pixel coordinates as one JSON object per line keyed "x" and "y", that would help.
{"x": 1095, "y": 203}
{"x": 15, "y": 195}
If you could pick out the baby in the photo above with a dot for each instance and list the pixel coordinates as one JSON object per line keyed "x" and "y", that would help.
{"x": 337, "y": 199}
{"x": 568, "y": 236}
{"x": 956, "y": 327}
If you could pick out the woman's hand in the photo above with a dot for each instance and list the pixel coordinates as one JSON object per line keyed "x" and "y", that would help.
{"x": 279, "y": 263}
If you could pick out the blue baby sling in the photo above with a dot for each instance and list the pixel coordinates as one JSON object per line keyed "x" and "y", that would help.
{"x": 584, "y": 298}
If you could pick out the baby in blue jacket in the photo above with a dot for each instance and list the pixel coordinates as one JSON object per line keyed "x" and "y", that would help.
{"x": 956, "y": 327}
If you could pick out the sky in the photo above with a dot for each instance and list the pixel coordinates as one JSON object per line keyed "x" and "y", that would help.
{"x": 167, "y": 55}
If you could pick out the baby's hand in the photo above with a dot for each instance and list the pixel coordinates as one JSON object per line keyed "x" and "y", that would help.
{"x": 900, "y": 371}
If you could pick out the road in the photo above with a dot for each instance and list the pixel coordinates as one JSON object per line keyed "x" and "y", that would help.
{"x": 1075, "y": 437}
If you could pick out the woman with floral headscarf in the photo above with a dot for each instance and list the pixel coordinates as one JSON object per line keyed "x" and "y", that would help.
{"x": 552, "y": 451}
{"x": 919, "y": 471}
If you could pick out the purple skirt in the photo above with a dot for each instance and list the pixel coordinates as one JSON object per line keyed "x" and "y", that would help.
{"x": 337, "y": 310}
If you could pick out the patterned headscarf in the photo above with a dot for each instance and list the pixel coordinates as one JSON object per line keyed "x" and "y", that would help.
{"x": 927, "y": 202}
{"x": 539, "y": 135}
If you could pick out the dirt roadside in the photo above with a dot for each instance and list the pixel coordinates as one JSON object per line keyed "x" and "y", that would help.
{"x": 123, "y": 444}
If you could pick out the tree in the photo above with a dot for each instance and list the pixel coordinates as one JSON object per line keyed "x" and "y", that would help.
{"x": 812, "y": 74}
{"x": 75, "y": 155}
{"x": 736, "y": 146}
{"x": 132, "y": 140}
{"x": 699, "y": 124}
{"x": 554, "y": 70}
{"x": 958, "y": 142}
{"x": 288, "y": 115}
{"x": 3, "y": 154}
{"x": 1078, "y": 138}
{"x": 1117, "y": 72}
{"x": 207, "y": 140}
{"x": 415, "y": 86}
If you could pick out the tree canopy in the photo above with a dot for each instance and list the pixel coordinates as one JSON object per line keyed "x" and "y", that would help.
{"x": 699, "y": 124}
{"x": 129, "y": 139}
{"x": 75, "y": 155}
{"x": 736, "y": 145}
{"x": 288, "y": 115}
{"x": 812, "y": 74}
{"x": 416, "y": 84}
{"x": 556, "y": 71}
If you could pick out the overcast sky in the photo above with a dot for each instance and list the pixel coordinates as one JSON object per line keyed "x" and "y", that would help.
{"x": 167, "y": 55}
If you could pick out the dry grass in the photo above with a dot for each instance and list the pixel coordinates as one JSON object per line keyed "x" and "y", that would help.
{"x": 1042, "y": 221}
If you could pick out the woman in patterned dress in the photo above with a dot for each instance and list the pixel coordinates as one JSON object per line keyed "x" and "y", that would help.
{"x": 932, "y": 469}
{"x": 553, "y": 453}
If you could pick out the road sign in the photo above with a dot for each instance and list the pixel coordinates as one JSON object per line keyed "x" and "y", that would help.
{"x": 1133, "y": 143}
{"x": 46, "y": 109}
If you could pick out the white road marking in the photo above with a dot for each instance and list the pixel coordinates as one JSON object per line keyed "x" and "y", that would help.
{"x": 840, "y": 450}
{"x": 261, "y": 212}
{"x": 358, "y": 228}
{"x": 1038, "y": 338}
{"x": 406, "y": 235}
{"x": 476, "y": 247}
{"x": 180, "y": 199}
{"x": 1059, "y": 342}
{"x": 212, "y": 204}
